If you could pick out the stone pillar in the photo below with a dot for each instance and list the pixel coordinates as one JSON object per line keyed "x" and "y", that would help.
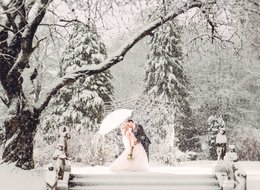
{"x": 51, "y": 178}
{"x": 57, "y": 178}
{"x": 229, "y": 185}
{"x": 63, "y": 139}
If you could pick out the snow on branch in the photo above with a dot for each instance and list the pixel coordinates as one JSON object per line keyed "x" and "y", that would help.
{"x": 14, "y": 137}
{"x": 3, "y": 96}
{"x": 118, "y": 55}
{"x": 4, "y": 100}
{"x": 57, "y": 85}
{"x": 36, "y": 15}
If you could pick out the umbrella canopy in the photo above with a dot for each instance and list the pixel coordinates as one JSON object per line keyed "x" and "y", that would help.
{"x": 114, "y": 120}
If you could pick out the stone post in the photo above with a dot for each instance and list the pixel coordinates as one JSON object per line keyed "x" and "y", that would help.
{"x": 51, "y": 178}
{"x": 63, "y": 139}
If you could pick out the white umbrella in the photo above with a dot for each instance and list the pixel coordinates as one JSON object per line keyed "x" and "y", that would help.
{"x": 114, "y": 120}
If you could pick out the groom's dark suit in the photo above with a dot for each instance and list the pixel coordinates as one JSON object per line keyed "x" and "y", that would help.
{"x": 142, "y": 138}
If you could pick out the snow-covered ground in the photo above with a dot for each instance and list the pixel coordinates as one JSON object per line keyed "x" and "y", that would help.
{"x": 12, "y": 178}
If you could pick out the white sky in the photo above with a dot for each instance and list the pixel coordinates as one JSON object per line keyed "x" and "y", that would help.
{"x": 122, "y": 21}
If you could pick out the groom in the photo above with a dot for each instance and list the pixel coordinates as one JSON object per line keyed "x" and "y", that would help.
{"x": 139, "y": 133}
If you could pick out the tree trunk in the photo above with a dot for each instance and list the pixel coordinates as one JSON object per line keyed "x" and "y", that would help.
{"x": 20, "y": 128}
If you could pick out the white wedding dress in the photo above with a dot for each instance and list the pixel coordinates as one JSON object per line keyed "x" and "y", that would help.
{"x": 138, "y": 163}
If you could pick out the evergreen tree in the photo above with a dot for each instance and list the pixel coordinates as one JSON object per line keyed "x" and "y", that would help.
{"x": 166, "y": 82}
{"x": 81, "y": 104}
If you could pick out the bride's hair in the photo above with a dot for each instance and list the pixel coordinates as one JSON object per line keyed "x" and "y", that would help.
{"x": 124, "y": 128}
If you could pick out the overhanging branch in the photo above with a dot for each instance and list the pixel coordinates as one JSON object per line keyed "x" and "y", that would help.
{"x": 116, "y": 57}
{"x": 41, "y": 104}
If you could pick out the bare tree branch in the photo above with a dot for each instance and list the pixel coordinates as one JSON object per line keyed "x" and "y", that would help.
{"x": 71, "y": 21}
{"x": 114, "y": 59}
{"x": 3, "y": 96}
{"x": 38, "y": 43}
{"x": 28, "y": 35}
{"x": 7, "y": 28}
{"x": 58, "y": 25}
{"x": 12, "y": 22}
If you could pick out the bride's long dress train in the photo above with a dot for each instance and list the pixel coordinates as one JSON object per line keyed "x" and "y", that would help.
{"x": 138, "y": 163}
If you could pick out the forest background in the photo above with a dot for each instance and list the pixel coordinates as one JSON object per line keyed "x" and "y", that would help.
{"x": 213, "y": 72}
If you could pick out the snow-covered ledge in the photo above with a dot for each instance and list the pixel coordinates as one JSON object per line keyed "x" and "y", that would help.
{"x": 57, "y": 178}
{"x": 64, "y": 183}
{"x": 52, "y": 181}
{"x": 230, "y": 175}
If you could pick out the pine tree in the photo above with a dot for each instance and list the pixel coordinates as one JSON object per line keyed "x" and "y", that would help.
{"x": 81, "y": 105}
{"x": 166, "y": 82}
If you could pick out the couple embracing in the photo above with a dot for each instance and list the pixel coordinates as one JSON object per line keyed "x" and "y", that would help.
{"x": 136, "y": 154}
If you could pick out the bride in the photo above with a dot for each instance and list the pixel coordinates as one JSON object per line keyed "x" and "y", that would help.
{"x": 134, "y": 157}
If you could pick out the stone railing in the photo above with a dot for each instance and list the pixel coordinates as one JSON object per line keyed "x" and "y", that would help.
{"x": 58, "y": 172}
{"x": 229, "y": 174}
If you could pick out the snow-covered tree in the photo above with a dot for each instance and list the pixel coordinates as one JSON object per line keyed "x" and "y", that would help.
{"x": 80, "y": 105}
{"x": 19, "y": 37}
{"x": 166, "y": 82}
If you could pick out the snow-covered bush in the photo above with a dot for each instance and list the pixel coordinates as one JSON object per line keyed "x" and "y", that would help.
{"x": 247, "y": 142}
{"x": 191, "y": 156}
{"x": 163, "y": 148}
{"x": 115, "y": 142}
{"x": 166, "y": 155}
{"x": 43, "y": 149}
{"x": 157, "y": 118}
{"x": 88, "y": 148}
